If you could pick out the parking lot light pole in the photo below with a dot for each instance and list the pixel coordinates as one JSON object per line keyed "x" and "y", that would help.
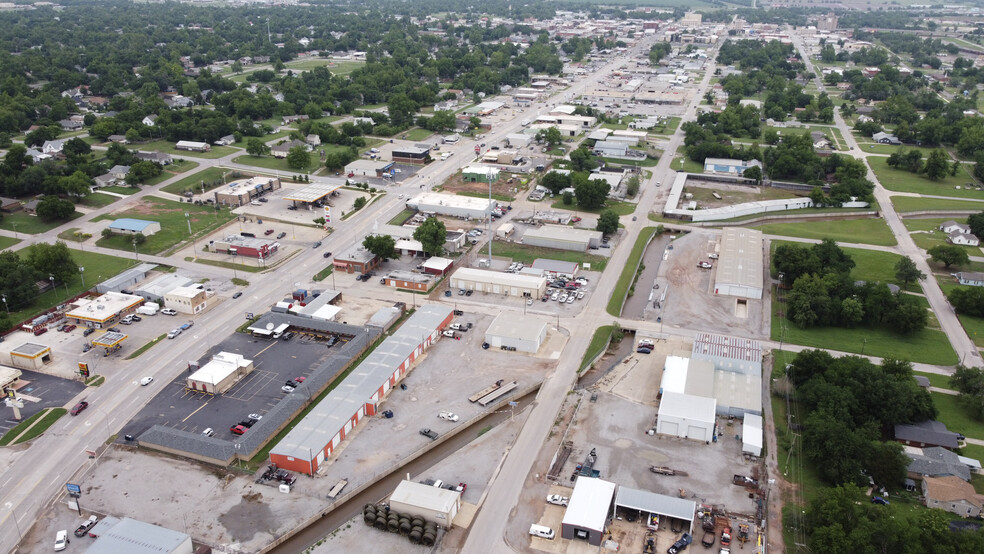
{"x": 82, "y": 274}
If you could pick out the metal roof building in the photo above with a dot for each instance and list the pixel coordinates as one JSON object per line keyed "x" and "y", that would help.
{"x": 316, "y": 437}
{"x": 126, "y": 278}
{"x": 751, "y": 435}
{"x": 740, "y": 269}
{"x": 658, "y": 504}
{"x": 686, "y": 416}
{"x": 312, "y": 192}
{"x": 522, "y": 332}
{"x": 729, "y": 353}
{"x": 562, "y": 238}
{"x": 452, "y": 205}
{"x": 134, "y": 226}
{"x": 587, "y": 510}
{"x": 495, "y": 282}
{"x": 426, "y": 501}
{"x": 130, "y": 536}
{"x": 557, "y": 267}
{"x": 103, "y": 309}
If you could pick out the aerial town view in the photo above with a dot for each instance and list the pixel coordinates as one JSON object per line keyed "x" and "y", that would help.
{"x": 570, "y": 276}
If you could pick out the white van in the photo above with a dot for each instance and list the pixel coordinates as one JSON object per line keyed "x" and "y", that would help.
{"x": 541, "y": 531}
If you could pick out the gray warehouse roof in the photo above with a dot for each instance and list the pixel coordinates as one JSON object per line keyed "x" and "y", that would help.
{"x": 316, "y": 430}
{"x": 741, "y": 260}
{"x": 130, "y": 536}
{"x": 124, "y": 278}
{"x": 656, "y": 503}
{"x": 516, "y": 326}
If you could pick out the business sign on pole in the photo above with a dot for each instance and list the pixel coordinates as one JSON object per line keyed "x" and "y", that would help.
{"x": 327, "y": 215}
{"x": 73, "y": 488}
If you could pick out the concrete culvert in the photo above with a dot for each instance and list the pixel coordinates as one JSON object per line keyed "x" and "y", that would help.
{"x": 427, "y": 540}
{"x": 415, "y": 537}
{"x": 417, "y": 522}
{"x": 369, "y": 519}
{"x": 380, "y": 523}
{"x": 405, "y": 528}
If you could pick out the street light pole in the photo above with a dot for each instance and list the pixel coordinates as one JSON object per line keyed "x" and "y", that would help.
{"x": 5, "y": 304}
{"x": 82, "y": 273}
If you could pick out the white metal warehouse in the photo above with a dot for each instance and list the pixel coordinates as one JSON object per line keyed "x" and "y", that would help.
{"x": 587, "y": 510}
{"x": 429, "y": 502}
{"x": 496, "y": 282}
{"x": 137, "y": 537}
{"x": 740, "y": 269}
{"x": 686, "y": 416}
{"x": 452, "y": 205}
{"x": 751, "y": 435}
{"x": 524, "y": 333}
{"x": 562, "y": 237}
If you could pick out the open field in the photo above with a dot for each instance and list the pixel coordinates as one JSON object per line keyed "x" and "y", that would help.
{"x": 526, "y": 254}
{"x": 958, "y": 416}
{"x": 904, "y": 181}
{"x": 418, "y": 134}
{"x": 98, "y": 200}
{"x": 926, "y": 233}
{"x": 905, "y": 204}
{"x": 174, "y": 225}
{"x": 168, "y": 147}
{"x": 867, "y": 231}
{"x": 177, "y": 167}
{"x": 7, "y": 242}
{"x": 20, "y": 222}
{"x": 210, "y": 176}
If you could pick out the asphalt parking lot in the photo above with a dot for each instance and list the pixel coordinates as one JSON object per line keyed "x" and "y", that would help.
{"x": 40, "y": 391}
{"x": 275, "y": 362}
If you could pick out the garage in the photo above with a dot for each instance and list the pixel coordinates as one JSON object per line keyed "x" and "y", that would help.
{"x": 650, "y": 504}
{"x": 588, "y": 510}
{"x": 524, "y": 333}
{"x": 431, "y": 503}
{"x": 686, "y": 416}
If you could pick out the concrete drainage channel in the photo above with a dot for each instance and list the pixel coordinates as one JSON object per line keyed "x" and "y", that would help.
{"x": 352, "y": 505}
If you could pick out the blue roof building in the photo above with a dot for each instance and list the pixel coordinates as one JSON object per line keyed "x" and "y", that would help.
{"x": 128, "y": 226}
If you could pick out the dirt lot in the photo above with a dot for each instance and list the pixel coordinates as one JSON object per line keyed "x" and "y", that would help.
{"x": 689, "y": 299}
{"x": 455, "y": 184}
{"x": 703, "y": 193}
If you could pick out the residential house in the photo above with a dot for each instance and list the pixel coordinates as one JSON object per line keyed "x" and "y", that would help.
{"x": 120, "y": 139}
{"x": 925, "y": 434}
{"x": 52, "y": 147}
{"x": 962, "y": 239}
{"x": 179, "y": 101}
{"x": 226, "y": 140}
{"x": 882, "y": 137}
{"x": 936, "y": 462}
{"x": 288, "y": 119}
{"x": 820, "y": 140}
{"x": 37, "y": 156}
{"x": 156, "y": 157}
{"x": 952, "y": 494}
{"x": 951, "y": 226}
{"x": 119, "y": 172}
{"x": 281, "y": 150}
{"x": 971, "y": 278}
{"x": 105, "y": 180}
{"x": 313, "y": 140}
{"x": 70, "y": 125}
{"x": 9, "y": 205}
{"x": 74, "y": 93}
{"x": 150, "y": 120}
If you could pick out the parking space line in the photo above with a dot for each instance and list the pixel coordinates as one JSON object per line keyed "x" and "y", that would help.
{"x": 272, "y": 344}
{"x": 196, "y": 411}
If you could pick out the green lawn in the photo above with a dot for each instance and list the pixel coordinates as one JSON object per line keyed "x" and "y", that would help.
{"x": 98, "y": 200}
{"x": 38, "y": 423}
{"x": 279, "y": 164}
{"x": 7, "y": 242}
{"x": 628, "y": 275}
{"x": 957, "y": 416}
{"x": 685, "y": 164}
{"x": 418, "y": 134}
{"x": 20, "y": 222}
{"x": 168, "y": 148}
{"x": 211, "y": 176}
{"x": 929, "y": 234}
{"x": 174, "y": 225}
{"x": 401, "y": 217}
{"x": 526, "y": 254}
{"x": 889, "y": 149}
{"x": 867, "y": 231}
{"x": 177, "y": 167}
{"x": 620, "y": 207}
{"x": 904, "y": 181}
{"x": 974, "y": 327}
{"x": 122, "y": 190}
{"x": 905, "y": 204}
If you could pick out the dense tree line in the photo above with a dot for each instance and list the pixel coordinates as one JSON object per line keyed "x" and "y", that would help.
{"x": 19, "y": 276}
{"x": 823, "y": 293}
{"x": 851, "y": 407}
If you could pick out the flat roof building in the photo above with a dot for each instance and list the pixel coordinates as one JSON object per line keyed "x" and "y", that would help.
{"x": 355, "y": 259}
{"x": 105, "y": 309}
{"x": 312, "y": 193}
{"x": 496, "y": 282}
{"x": 588, "y": 510}
{"x": 522, "y": 332}
{"x": 125, "y": 279}
{"x": 562, "y": 238}
{"x": 223, "y": 371}
{"x": 368, "y": 168}
{"x": 158, "y": 287}
{"x": 130, "y": 536}
{"x": 556, "y": 267}
{"x": 428, "y": 502}
{"x": 240, "y": 193}
{"x": 411, "y": 155}
{"x": 238, "y": 245}
{"x": 736, "y": 354}
{"x": 187, "y": 300}
{"x": 650, "y": 503}
{"x": 408, "y": 280}
{"x": 466, "y": 207}
{"x": 740, "y": 268}
{"x": 30, "y": 356}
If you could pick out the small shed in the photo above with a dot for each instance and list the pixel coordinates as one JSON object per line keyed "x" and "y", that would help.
{"x": 437, "y": 266}
{"x": 751, "y": 435}
{"x": 649, "y": 503}
{"x": 588, "y": 509}
{"x": 428, "y": 502}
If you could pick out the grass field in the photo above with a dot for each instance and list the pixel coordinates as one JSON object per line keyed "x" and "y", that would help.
{"x": 418, "y": 134}
{"x": 935, "y": 379}
{"x": 7, "y": 242}
{"x": 620, "y": 207}
{"x": 904, "y": 181}
{"x": 404, "y": 215}
{"x": 526, "y": 254}
{"x": 628, "y": 275}
{"x": 126, "y": 191}
{"x": 904, "y": 204}
{"x": 98, "y": 200}
{"x": 176, "y": 167}
{"x": 20, "y": 222}
{"x": 685, "y": 164}
{"x": 279, "y": 164}
{"x": 929, "y": 235}
{"x": 958, "y": 416}
{"x": 867, "y": 231}
{"x": 174, "y": 225}
{"x": 194, "y": 181}
{"x": 168, "y": 147}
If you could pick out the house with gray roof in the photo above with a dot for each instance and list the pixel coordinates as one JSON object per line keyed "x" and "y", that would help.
{"x": 925, "y": 434}
{"x": 936, "y": 462}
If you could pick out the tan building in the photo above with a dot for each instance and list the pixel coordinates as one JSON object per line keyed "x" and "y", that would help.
{"x": 243, "y": 192}
{"x": 220, "y": 374}
{"x": 30, "y": 356}
{"x": 104, "y": 310}
{"x": 187, "y": 300}
{"x": 953, "y": 495}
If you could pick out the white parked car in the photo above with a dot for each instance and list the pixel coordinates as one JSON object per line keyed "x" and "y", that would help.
{"x": 61, "y": 540}
{"x": 712, "y": 256}
{"x": 287, "y": 388}
{"x": 571, "y": 298}
{"x": 169, "y": 311}
{"x": 554, "y": 296}
{"x": 146, "y": 381}
{"x": 450, "y": 416}
{"x": 557, "y": 500}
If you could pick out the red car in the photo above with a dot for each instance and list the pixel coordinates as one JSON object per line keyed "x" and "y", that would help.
{"x": 40, "y": 331}
{"x": 79, "y": 407}
{"x": 238, "y": 429}
{"x": 69, "y": 328}
{"x": 299, "y": 379}
{"x": 268, "y": 232}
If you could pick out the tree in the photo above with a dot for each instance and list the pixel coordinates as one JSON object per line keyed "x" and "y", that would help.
{"x": 77, "y": 184}
{"x": 551, "y": 136}
{"x": 17, "y": 278}
{"x": 142, "y": 171}
{"x": 298, "y": 157}
{"x": 432, "y": 234}
{"x": 969, "y": 381}
{"x": 256, "y": 147}
{"x": 607, "y": 222}
{"x": 937, "y": 165}
{"x": 557, "y": 182}
{"x": 976, "y": 222}
{"x": 818, "y": 198}
{"x": 754, "y": 172}
{"x": 968, "y": 300}
{"x": 591, "y": 195}
{"x": 360, "y": 203}
{"x": 53, "y": 259}
{"x": 51, "y": 208}
{"x": 948, "y": 254}
{"x": 382, "y": 246}
{"x": 632, "y": 186}
{"x": 907, "y": 272}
